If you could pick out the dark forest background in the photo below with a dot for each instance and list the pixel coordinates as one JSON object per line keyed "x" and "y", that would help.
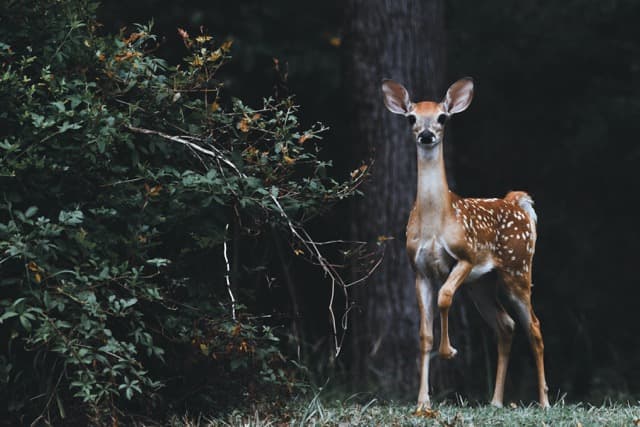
{"x": 97, "y": 187}
{"x": 556, "y": 112}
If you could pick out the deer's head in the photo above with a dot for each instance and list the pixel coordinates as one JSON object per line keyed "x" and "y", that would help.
{"x": 428, "y": 118}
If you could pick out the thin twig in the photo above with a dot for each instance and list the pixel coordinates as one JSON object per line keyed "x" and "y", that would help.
{"x": 312, "y": 247}
{"x": 226, "y": 276}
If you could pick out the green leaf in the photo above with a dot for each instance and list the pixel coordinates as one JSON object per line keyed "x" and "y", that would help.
{"x": 71, "y": 217}
{"x": 25, "y": 322}
{"x": 31, "y": 211}
{"x": 7, "y": 315}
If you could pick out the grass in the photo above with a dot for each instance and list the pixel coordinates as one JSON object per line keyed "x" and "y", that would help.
{"x": 373, "y": 413}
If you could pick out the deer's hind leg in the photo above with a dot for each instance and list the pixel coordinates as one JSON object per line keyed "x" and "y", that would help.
{"x": 484, "y": 295}
{"x": 518, "y": 289}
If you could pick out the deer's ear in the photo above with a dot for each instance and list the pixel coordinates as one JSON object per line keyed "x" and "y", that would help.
{"x": 459, "y": 96}
{"x": 396, "y": 97}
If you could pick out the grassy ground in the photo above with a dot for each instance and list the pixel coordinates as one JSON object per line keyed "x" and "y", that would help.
{"x": 375, "y": 414}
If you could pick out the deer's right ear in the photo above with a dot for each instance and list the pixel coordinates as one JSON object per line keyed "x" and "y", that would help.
{"x": 396, "y": 97}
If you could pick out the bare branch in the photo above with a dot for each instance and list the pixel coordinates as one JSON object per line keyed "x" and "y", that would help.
{"x": 301, "y": 235}
{"x": 212, "y": 151}
{"x": 226, "y": 276}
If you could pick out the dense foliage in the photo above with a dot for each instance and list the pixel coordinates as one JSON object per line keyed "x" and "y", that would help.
{"x": 124, "y": 183}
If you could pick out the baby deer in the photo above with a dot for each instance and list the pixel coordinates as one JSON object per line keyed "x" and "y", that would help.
{"x": 453, "y": 240}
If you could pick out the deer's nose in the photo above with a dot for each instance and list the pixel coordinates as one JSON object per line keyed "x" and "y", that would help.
{"x": 426, "y": 137}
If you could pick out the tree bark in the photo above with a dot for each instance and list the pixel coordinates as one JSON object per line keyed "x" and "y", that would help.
{"x": 402, "y": 40}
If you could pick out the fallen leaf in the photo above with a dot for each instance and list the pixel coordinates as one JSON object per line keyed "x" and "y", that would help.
{"x": 426, "y": 413}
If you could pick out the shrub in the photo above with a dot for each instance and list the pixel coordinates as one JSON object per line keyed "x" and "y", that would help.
{"x": 124, "y": 181}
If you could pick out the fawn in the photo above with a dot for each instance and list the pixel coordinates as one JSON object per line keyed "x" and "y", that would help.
{"x": 453, "y": 240}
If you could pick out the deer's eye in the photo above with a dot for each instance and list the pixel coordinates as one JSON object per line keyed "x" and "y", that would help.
{"x": 412, "y": 119}
{"x": 442, "y": 118}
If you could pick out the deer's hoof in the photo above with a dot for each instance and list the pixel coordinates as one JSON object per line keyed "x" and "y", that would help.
{"x": 423, "y": 406}
{"x": 448, "y": 352}
{"x": 496, "y": 404}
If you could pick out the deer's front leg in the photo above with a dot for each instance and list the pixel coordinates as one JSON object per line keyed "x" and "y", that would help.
{"x": 425, "y": 293}
{"x": 459, "y": 272}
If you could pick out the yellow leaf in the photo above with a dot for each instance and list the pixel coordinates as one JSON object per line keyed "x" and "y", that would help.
{"x": 215, "y": 106}
{"x": 37, "y": 277}
{"x": 203, "y": 39}
{"x": 214, "y": 56}
{"x": 335, "y": 41}
{"x": 303, "y": 138}
{"x": 226, "y": 45}
{"x": 204, "y": 348}
{"x": 298, "y": 252}
{"x": 243, "y": 125}
{"x": 288, "y": 160}
{"x": 32, "y": 266}
{"x": 197, "y": 61}
{"x": 132, "y": 38}
{"x": 153, "y": 191}
{"x": 361, "y": 170}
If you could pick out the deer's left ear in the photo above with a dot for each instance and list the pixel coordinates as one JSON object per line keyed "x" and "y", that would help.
{"x": 396, "y": 97}
{"x": 459, "y": 96}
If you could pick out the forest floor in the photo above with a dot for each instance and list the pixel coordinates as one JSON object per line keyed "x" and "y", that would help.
{"x": 373, "y": 413}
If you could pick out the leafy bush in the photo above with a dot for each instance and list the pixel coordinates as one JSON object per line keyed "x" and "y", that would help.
{"x": 124, "y": 182}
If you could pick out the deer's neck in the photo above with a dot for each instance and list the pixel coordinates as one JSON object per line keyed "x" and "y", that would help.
{"x": 433, "y": 200}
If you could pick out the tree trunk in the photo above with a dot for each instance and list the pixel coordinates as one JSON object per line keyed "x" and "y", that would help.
{"x": 402, "y": 40}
